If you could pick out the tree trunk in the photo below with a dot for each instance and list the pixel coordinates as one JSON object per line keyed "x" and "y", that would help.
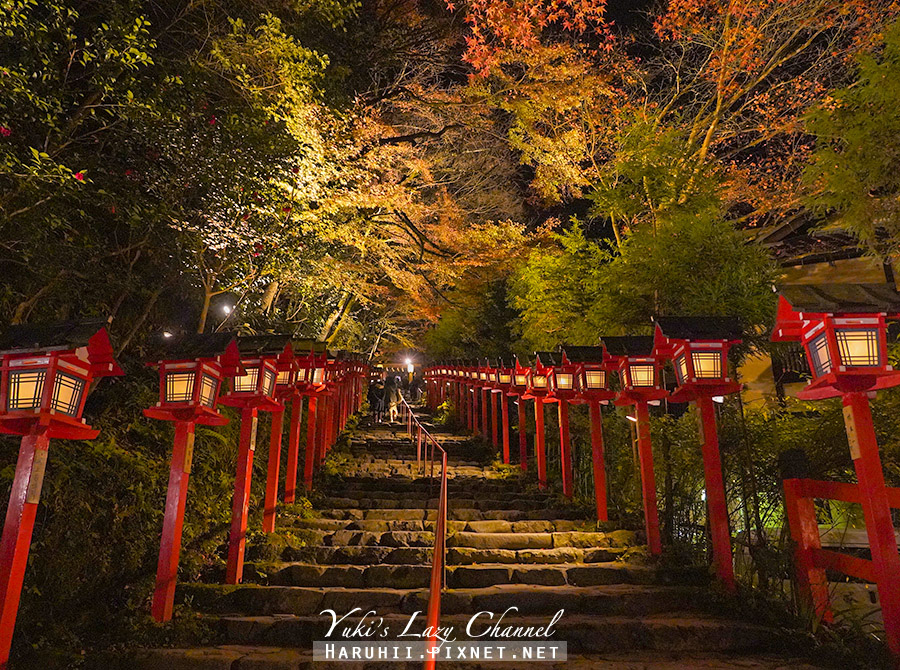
{"x": 204, "y": 312}
{"x": 269, "y": 296}
{"x": 330, "y": 328}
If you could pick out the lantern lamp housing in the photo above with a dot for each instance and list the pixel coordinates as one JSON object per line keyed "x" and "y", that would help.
{"x": 698, "y": 348}
{"x": 191, "y": 369}
{"x": 638, "y": 367}
{"x": 541, "y": 373}
{"x": 505, "y": 371}
{"x": 592, "y": 372}
{"x": 263, "y": 357}
{"x": 843, "y": 331}
{"x": 46, "y": 372}
{"x": 521, "y": 376}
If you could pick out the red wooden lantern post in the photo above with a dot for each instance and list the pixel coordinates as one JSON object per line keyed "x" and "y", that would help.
{"x": 473, "y": 391}
{"x": 561, "y": 382}
{"x": 292, "y": 385}
{"x": 252, "y": 392}
{"x": 45, "y": 374}
{"x": 591, "y": 386}
{"x": 538, "y": 388}
{"x": 641, "y": 380}
{"x": 489, "y": 380}
{"x": 482, "y": 390}
{"x": 191, "y": 370}
{"x": 502, "y": 387}
{"x": 843, "y": 332}
{"x": 698, "y": 348}
{"x": 315, "y": 387}
{"x": 519, "y": 388}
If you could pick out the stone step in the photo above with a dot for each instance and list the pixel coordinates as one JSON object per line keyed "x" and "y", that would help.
{"x": 475, "y": 540}
{"x": 429, "y": 493}
{"x": 383, "y": 526}
{"x": 605, "y": 600}
{"x": 407, "y": 484}
{"x": 462, "y": 514}
{"x": 372, "y": 555}
{"x": 414, "y": 502}
{"x": 466, "y": 576}
{"x": 583, "y": 634}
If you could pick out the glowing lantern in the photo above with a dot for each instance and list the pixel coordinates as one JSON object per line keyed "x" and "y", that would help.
{"x": 45, "y": 374}
{"x": 641, "y": 379}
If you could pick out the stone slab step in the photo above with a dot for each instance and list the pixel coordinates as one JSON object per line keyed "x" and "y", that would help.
{"x": 229, "y": 657}
{"x": 610, "y": 600}
{"x": 491, "y": 526}
{"x": 595, "y": 634}
{"x": 413, "y": 502}
{"x": 373, "y": 555}
{"x": 476, "y": 540}
{"x": 466, "y": 576}
{"x": 455, "y": 514}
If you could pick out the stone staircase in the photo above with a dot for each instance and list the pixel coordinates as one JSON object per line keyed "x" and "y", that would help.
{"x": 368, "y": 546}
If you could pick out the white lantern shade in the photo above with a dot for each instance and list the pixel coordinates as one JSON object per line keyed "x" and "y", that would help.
{"x": 707, "y": 364}
{"x": 67, "y": 391}
{"x": 642, "y": 374}
{"x": 595, "y": 379}
{"x": 564, "y": 381}
{"x": 209, "y": 388}
{"x": 504, "y": 378}
{"x": 26, "y": 387}
{"x": 858, "y": 347}
{"x": 521, "y": 380}
{"x": 819, "y": 356}
{"x": 180, "y": 386}
{"x": 539, "y": 381}
{"x": 247, "y": 382}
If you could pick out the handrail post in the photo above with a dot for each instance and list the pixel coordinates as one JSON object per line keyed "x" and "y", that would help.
{"x": 801, "y": 517}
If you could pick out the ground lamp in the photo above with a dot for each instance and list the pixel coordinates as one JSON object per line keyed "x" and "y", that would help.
{"x": 262, "y": 357}
{"x": 592, "y": 387}
{"x": 191, "y": 370}
{"x": 641, "y": 380}
{"x": 561, "y": 382}
{"x": 843, "y": 332}
{"x": 315, "y": 386}
{"x": 45, "y": 374}
{"x": 502, "y": 388}
{"x": 521, "y": 374}
{"x": 698, "y": 348}
{"x": 538, "y": 388}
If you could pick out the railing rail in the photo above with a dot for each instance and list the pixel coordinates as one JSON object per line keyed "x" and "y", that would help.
{"x": 426, "y": 445}
{"x": 811, "y": 560}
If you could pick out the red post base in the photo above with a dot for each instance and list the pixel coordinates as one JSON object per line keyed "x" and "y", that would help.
{"x": 293, "y": 454}
{"x": 648, "y": 479}
{"x": 598, "y": 460}
{"x": 523, "y": 435}
{"x": 540, "y": 453}
{"x": 311, "y": 449}
{"x": 17, "y": 529}
{"x": 801, "y": 516}
{"x": 877, "y": 513}
{"x": 504, "y": 413}
{"x": 273, "y": 467}
{"x": 716, "y": 503}
{"x": 173, "y": 522}
{"x": 237, "y": 538}
{"x": 565, "y": 450}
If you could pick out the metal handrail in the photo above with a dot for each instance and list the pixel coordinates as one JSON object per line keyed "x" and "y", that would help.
{"x": 438, "y": 561}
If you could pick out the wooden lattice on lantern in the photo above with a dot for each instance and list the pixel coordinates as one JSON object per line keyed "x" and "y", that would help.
{"x": 263, "y": 357}
{"x": 541, "y": 371}
{"x": 698, "y": 348}
{"x": 592, "y": 372}
{"x": 46, "y": 372}
{"x": 638, "y": 367}
{"x": 192, "y": 368}
{"x": 843, "y": 330}
{"x": 562, "y": 375}
{"x": 505, "y": 369}
{"x": 521, "y": 376}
